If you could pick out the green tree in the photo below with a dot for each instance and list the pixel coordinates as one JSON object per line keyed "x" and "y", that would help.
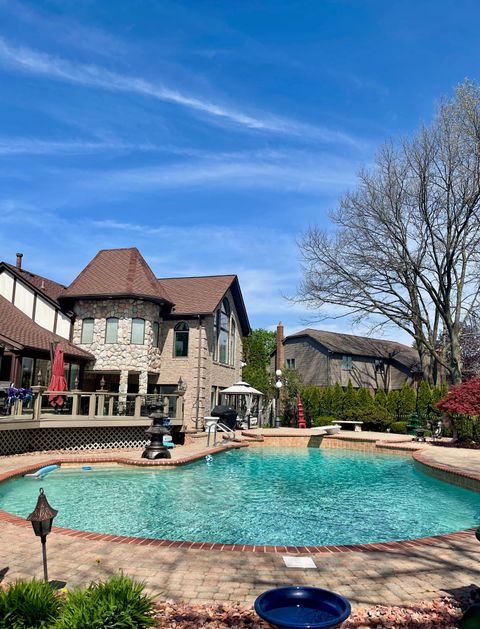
{"x": 337, "y": 400}
{"x": 311, "y": 397}
{"x": 257, "y": 348}
{"x": 393, "y": 407}
{"x": 407, "y": 401}
{"x": 364, "y": 398}
{"x": 327, "y": 402}
{"x": 292, "y": 385}
{"x": 381, "y": 399}
{"x": 349, "y": 398}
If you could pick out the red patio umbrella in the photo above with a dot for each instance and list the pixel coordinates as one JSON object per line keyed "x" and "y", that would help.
{"x": 301, "y": 419}
{"x": 57, "y": 381}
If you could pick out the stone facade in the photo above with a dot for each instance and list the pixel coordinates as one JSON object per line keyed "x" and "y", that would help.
{"x": 158, "y": 365}
{"x": 122, "y": 356}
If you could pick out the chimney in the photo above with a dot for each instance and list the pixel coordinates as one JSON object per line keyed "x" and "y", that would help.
{"x": 19, "y": 260}
{"x": 280, "y": 355}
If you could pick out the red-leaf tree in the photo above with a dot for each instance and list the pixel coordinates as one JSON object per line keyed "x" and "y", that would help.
{"x": 463, "y": 403}
{"x": 462, "y": 399}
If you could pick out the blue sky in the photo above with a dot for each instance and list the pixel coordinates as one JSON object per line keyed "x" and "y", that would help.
{"x": 208, "y": 134}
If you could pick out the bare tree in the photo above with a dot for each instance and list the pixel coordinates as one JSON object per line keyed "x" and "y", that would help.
{"x": 405, "y": 249}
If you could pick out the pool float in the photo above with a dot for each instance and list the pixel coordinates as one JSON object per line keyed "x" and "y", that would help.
{"x": 43, "y": 471}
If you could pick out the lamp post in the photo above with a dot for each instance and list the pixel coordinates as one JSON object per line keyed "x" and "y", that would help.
{"x": 278, "y": 385}
{"x": 41, "y": 519}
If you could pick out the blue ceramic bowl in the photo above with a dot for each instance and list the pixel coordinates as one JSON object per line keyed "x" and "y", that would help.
{"x": 298, "y": 607}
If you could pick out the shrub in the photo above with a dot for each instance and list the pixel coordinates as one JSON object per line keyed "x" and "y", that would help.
{"x": 375, "y": 418}
{"x": 29, "y": 605}
{"x": 118, "y": 603}
{"x": 324, "y": 420}
{"x": 399, "y": 427}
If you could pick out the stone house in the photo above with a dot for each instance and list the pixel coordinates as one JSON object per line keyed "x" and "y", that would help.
{"x": 134, "y": 332}
{"x": 324, "y": 358}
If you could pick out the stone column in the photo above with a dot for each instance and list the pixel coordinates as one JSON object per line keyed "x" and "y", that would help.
{"x": 143, "y": 382}
{"x": 122, "y": 389}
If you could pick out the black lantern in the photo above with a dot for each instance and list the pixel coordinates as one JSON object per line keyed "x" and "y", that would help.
{"x": 41, "y": 519}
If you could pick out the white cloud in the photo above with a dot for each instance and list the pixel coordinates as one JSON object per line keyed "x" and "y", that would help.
{"x": 32, "y": 146}
{"x": 294, "y": 171}
{"x": 42, "y": 64}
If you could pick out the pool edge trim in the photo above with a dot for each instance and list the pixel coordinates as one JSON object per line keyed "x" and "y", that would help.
{"x": 444, "y": 472}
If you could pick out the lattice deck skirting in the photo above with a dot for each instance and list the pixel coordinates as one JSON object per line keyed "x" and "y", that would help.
{"x": 98, "y": 438}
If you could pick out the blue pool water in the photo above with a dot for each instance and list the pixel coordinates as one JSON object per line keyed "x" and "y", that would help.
{"x": 285, "y": 496}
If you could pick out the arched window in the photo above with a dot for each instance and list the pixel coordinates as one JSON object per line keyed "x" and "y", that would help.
{"x": 111, "y": 330}
{"x": 138, "y": 331}
{"x": 180, "y": 342}
{"x": 87, "y": 331}
{"x": 233, "y": 337}
{"x": 156, "y": 333}
{"x": 223, "y": 328}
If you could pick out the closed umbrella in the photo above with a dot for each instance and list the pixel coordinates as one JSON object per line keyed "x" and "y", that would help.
{"x": 57, "y": 381}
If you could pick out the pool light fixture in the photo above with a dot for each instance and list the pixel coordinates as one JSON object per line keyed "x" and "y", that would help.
{"x": 42, "y": 519}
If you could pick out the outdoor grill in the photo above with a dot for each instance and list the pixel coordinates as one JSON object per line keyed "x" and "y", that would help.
{"x": 226, "y": 415}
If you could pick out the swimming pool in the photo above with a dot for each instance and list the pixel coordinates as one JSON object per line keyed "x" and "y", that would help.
{"x": 269, "y": 496}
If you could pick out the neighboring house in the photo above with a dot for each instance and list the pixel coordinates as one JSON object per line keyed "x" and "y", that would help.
{"x": 325, "y": 358}
{"x": 122, "y": 325}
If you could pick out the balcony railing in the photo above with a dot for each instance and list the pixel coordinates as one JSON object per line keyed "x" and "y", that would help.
{"x": 96, "y": 405}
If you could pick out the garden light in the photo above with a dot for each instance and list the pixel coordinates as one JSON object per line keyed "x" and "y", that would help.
{"x": 41, "y": 519}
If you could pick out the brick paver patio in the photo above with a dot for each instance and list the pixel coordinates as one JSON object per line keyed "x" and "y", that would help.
{"x": 397, "y": 575}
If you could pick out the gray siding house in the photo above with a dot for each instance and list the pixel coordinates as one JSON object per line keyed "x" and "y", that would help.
{"x": 325, "y": 358}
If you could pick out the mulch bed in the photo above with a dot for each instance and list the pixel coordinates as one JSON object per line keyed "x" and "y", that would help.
{"x": 465, "y": 445}
{"x": 441, "y": 613}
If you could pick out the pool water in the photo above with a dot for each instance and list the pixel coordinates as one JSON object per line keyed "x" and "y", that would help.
{"x": 271, "y": 496}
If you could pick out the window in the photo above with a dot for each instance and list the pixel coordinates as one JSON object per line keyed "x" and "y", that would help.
{"x": 180, "y": 342}
{"x": 138, "y": 331}
{"x": 290, "y": 363}
{"x": 156, "y": 333}
{"x": 233, "y": 340}
{"x": 347, "y": 363}
{"x": 111, "y": 330}
{"x": 26, "y": 376}
{"x": 87, "y": 331}
{"x": 223, "y": 332}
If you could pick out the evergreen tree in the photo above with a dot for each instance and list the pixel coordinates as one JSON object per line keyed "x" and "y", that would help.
{"x": 337, "y": 400}
{"x": 381, "y": 399}
{"x": 311, "y": 397}
{"x": 327, "y": 404}
{"x": 406, "y": 402}
{"x": 349, "y": 398}
{"x": 393, "y": 407}
{"x": 364, "y": 399}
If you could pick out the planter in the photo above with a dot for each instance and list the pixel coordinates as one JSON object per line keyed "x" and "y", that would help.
{"x": 298, "y": 607}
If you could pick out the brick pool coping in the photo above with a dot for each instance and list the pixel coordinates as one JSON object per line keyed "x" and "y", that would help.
{"x": 438, "y": 470}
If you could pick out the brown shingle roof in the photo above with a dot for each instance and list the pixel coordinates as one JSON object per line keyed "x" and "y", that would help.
{"x": 349, "y": 344}
{"x": 117, "y": 272}
{"x": 196, "y": 295}
{"x": 17, "y": 327}
{"x": 51, "y": 289}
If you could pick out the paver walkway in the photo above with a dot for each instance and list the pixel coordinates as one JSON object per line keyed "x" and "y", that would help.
{"x": 401, "y": 575}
